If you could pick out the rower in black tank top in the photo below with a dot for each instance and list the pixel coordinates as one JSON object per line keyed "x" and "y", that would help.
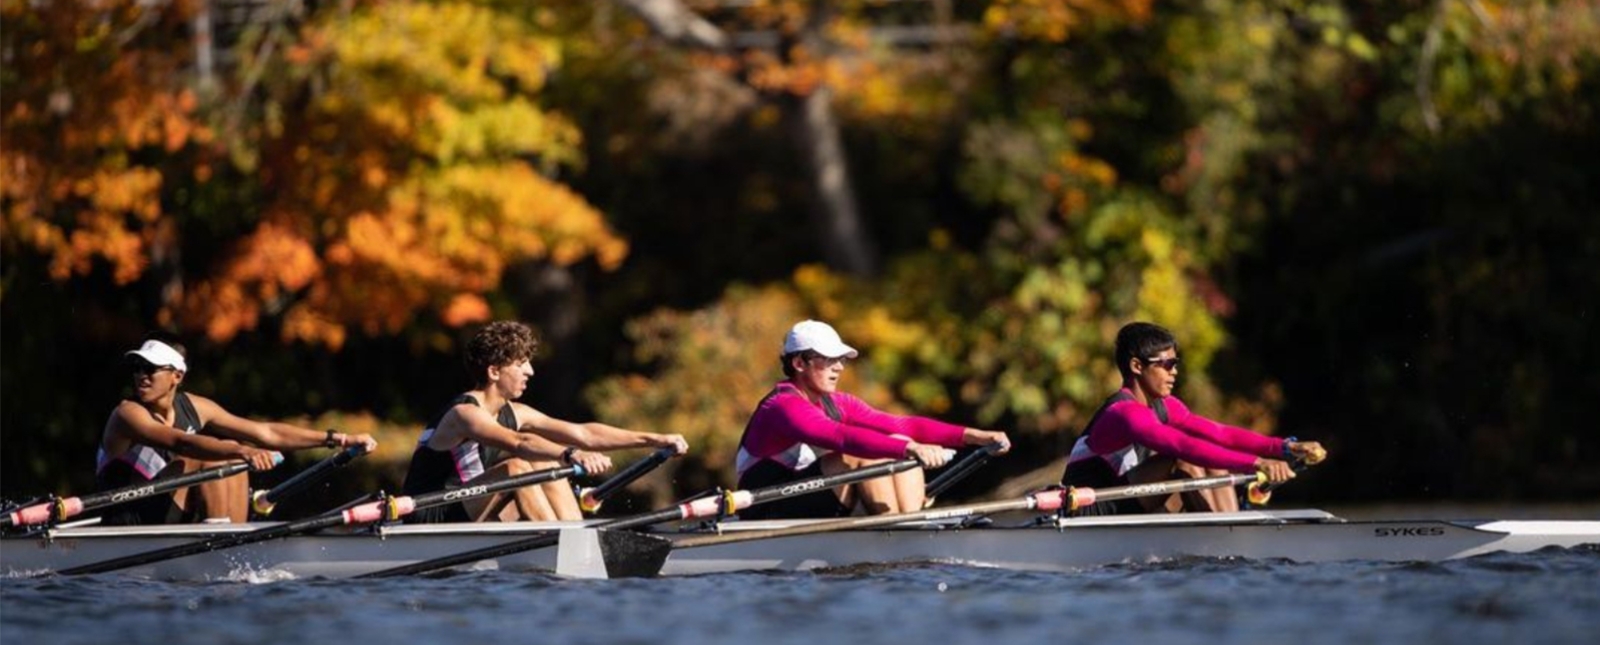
{"x": 435, "y": 470}
{"x": 119, "y": 472}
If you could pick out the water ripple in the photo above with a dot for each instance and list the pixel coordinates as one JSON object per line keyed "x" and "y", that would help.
{"x": 1546, "y": 597}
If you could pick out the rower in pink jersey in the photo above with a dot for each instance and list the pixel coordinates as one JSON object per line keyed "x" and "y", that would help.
{"x": 1144, "y": 434}
{"x": 805, "y": 427}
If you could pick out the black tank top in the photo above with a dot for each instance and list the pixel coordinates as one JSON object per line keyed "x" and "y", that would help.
{"x": 140, "y": 463}
{"x": 435, "y": 470}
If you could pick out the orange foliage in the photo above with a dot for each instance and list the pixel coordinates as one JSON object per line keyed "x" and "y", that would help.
{"x": 1055, "y": 20}
{"x": 99, "y": 94}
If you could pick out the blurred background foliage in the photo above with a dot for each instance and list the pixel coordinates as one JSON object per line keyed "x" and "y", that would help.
{"x": 1369, "y": 223}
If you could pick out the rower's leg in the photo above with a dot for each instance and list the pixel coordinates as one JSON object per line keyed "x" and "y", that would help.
{"x": 562, "y": 500}
{"x": 834, "y": 463}
{"x": 878, "y": 496}
{"x": 1223, "y": 500}
{"x": 217, "y": 499}
{"x": 526, "y": 503}
{"x": 1159, "y": 468}
{"x": 910, "y": 489}
{"x": 1199, "y": 501}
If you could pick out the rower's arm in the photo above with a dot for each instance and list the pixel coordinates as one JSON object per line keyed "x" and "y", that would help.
{"x": 594, "y": 435}
{"x": 1230, "y": 437}
{"x": 479, "y": 426}
{"x": 271, "y": 434}
{"x": 133, "y": 423}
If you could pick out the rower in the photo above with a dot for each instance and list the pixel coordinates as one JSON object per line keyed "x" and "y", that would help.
{"x": 161, "y": 431}
{"x": 805, "y": 427}
{"x": 484, "y": 435}
{"x": 1145, "y": 434}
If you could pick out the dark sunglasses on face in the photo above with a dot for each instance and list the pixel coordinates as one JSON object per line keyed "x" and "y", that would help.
{"x": 147, "y": 369}
{"x": 1167, "y": 364}
{"x": 829, "y": 362}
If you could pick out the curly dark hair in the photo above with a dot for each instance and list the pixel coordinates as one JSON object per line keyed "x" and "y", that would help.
{"x": 498, "y": 344}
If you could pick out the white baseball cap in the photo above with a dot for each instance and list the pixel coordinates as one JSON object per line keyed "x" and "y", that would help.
{"x": 160, "y": 354}
{"x": 818, "y": 337}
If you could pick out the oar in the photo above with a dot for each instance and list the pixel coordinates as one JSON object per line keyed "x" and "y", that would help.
{"x": 1258, "y": 494}
{"x": 958, "y": 471}
{"x": 589, "y": 499}
{"x": 391, "y": 508}
{"x": 60, "y": 510}
{"x": 1063, "y": 499}
{"x": 263, "y": 501}
{"x": 642, "y": 548}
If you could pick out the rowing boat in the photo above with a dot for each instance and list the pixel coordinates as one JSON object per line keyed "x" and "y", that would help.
{"x": 1049, "y": 545}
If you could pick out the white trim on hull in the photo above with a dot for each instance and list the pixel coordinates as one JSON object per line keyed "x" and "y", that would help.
{"x": 1302, "y": 536}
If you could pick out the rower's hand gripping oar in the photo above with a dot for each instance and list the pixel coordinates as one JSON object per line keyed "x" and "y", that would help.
{"x": 61, "y": 510}
{"x": 588, "y": 552}
{"x": 1258, "y": 494}
{"x": 391, "y": 508}
{"x": 263, "y": 501}
{"x": 958, "y": 471}
{"x": 589, "y": 499}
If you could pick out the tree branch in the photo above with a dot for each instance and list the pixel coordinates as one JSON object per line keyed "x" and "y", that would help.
{"x": 678, "y": 23}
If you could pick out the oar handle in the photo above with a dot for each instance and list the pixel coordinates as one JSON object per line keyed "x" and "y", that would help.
{"x": 960, "y": 470}
{"x": 589, "y": 499}
{"x": 60, "y": 510}
{"x": 264, "y": 501}
{"x": 1258, "y": 494}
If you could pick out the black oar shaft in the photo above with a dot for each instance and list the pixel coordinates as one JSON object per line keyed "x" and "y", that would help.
{"x": 264, "y": 502}
{"x": 711, "y": 506}
{"x": 427, "y": 500}
{"x": 208, "y": 545}
{"x": 372, "y": 511}
{"x": 590, "y": 499}
{"x": 960, "y": 470}
{"x": 61, "y": 510}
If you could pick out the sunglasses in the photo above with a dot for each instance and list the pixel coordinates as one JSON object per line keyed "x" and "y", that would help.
{"x": 826, "y": 361}
{"x": 147, "y": 369}
{"x": 1167, "y": 364}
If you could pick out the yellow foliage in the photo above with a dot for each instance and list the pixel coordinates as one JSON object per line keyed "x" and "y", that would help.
{"x": 412, "y": 176}
{"x": 1055, "y": 20}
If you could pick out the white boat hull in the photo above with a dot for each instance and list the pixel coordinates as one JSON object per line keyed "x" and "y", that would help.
{"x": 1066, "y": 545}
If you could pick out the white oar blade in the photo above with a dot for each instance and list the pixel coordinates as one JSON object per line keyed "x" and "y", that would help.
{"x": 578, "y": 555}
{"x": 600, "y": 554}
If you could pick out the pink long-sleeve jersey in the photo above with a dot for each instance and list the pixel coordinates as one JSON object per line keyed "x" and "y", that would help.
{"x": 788, "y": 428}
{"x": 1186, "y": 435}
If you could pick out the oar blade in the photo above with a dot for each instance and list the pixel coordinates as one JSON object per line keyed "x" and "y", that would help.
{"x": 600, "y": 554}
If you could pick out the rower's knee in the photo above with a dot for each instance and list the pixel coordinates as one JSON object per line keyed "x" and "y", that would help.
{"x": 517, "y": 466}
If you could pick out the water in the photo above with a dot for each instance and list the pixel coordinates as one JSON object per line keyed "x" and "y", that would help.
{"x": 1552, "y": 596}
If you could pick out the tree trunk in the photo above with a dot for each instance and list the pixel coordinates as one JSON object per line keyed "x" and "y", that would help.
{"x": 845, "y": 242}
{"x": 550, "y": 299}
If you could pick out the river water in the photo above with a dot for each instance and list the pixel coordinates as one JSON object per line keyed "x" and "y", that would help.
{"x": 1552, "y": 596}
